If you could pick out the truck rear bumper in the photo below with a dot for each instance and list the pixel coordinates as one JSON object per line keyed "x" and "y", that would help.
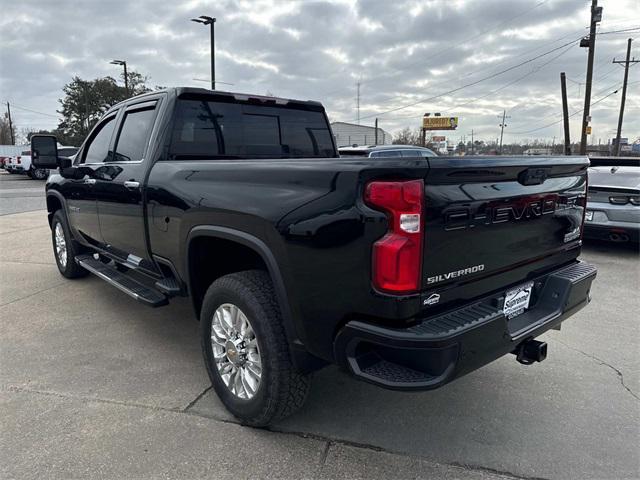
{"x": 438, "y": 349}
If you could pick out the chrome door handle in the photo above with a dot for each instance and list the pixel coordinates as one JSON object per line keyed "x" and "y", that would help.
{"x": 131, "y": 184}
{"x": 90, "y": 181}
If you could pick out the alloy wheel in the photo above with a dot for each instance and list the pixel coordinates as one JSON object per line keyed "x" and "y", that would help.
{"x": 40, "y": 173}
{"x": 61, "y": 245}
{"x": 235, "y": 351}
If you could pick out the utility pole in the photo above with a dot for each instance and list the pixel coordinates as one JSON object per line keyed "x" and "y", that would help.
{"x": 502, "y": 125}
{"x": 358, "y": 103}
{"x": 376, "y": 131}
{"x": 205, "y": 20}
{"x": 626, "y": 63}
{"x": 473, "y": 147}
{"x": 13, "y": 140}
{"x": 596, "y": 16}
{"x": 565, "y": 114}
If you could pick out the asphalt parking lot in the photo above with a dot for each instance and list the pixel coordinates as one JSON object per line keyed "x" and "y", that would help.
{"x": 94, "y": 384}
{"x": 18, "y": 193}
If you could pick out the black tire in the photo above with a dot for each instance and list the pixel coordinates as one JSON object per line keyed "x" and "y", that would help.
{"x": 70, "y": 268}
{"x": 282, "y": 389}
{"x": 30, "y": 174}
{"x": 38, "y": 173}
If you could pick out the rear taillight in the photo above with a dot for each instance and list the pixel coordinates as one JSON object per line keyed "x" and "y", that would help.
{"x": 18, "y": 160}
{"x": 397, "y": 257}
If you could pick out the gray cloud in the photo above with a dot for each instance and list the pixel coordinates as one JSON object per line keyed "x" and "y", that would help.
{"x": 401, "y": 50}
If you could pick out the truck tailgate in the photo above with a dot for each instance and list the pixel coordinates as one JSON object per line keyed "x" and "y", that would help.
{"x": 492, "y": 219}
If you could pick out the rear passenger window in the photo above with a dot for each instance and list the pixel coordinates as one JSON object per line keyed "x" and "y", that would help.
{"x": 411, "y": 153}
{"x": 134, "y": 133}
{"x": 386, "y": 153}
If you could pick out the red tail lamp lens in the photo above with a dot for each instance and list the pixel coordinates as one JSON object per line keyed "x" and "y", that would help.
{"x": 397, "y": 257}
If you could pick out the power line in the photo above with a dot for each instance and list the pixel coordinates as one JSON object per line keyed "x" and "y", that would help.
{"x": 620, "y": 31}
{"x": 536, "y": 69}
{"x": 599, "y": 92}
{"x": 33, "y": 111}
{"x": 493, "y": 66}
{"x": 453, "y": 90}
{"x": 572, "y": 115}
{"x": 424, "y": 60}
{"x": 504, "y": 22}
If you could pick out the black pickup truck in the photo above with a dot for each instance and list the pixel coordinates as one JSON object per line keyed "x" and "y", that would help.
{"x": 407, "y": 272}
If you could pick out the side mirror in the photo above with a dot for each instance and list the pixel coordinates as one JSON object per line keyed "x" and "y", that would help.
{"x": 65, "y": 162}
{"x": 44, "y": 151}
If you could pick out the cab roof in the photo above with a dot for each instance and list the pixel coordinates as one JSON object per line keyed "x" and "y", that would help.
{"x": 197, "y": 92}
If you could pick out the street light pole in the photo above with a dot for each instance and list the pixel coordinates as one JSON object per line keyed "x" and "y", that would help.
{"x": 203, "y": 19}
{"x": 126, "y": 77}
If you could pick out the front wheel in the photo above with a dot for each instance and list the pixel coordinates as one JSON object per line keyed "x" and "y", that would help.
{"x": 65, "y": 248}
{"x": 38, "y": 173}
{"x": 246, "y": 350}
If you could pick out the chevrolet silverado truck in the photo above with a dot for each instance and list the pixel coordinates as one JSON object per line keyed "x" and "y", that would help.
{"x": 407, "y": 272}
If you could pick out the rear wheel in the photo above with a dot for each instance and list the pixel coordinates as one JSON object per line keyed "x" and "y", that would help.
{"x": 65, "y": 248}
{"x": 246, "y": 350}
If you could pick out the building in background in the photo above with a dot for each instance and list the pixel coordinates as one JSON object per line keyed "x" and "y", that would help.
{"x": 538, "y": 151}
{"x": 12, "y": 150}
{"x": 438, "y": 143}
{"x": 348, "y": 134}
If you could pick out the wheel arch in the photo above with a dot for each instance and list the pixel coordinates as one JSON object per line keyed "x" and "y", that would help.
{"x": 55, "y": 202}
{"x": 250, "y": 243}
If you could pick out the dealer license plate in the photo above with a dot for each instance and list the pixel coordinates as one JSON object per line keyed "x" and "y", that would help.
{"x": 588, "y": 215}
{"x": 516, "y": 300}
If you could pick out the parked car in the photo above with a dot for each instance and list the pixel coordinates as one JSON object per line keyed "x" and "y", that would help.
{"x": 15, "y": 164}
{"x": 43, "y": 173}
{"x": 407, "y": 274}
{"x": 22, "y": 163}
{"x": 613, "y": 206}
{"x": 374, "y": 151}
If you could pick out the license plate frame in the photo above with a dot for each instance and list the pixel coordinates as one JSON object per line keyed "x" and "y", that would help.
{"x": 517, "y": 300}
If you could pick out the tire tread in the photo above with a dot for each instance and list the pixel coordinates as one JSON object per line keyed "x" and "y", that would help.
{"x": 293, "y": 385}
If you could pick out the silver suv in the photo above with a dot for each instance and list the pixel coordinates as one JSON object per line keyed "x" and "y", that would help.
{"x": 386, "y": 151}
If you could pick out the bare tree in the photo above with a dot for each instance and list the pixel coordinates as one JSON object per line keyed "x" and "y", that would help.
{"x": 5, "y": 131}
{"x": 407, "y": 137}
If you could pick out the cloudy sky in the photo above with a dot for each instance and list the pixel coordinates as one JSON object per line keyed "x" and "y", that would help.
{"x": 403, "y": 52}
